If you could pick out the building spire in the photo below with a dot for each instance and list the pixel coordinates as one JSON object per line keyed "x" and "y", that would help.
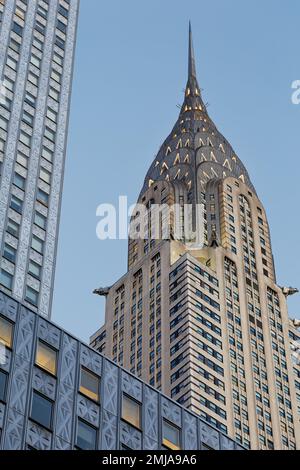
{"x": 192, "y": 64}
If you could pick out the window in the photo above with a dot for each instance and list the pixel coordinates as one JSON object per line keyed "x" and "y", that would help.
{"x": 25, "y": 138}
{"x": 27, "y": 118}
{"x": 34, "y": 269}
{"x": 63, "y": 11}
{"x": 171, "y": 436}
{"x": 34, "y": 79}
{"x": 22, "y": 160}
{"x": 6, "y": 279}
{"x": 50, "y": 134}
{"x": 32, "y": 296}
{"x": 30, "y": 99}
{"x": 15, "y": 46}
{"x": 131, "y": 411}
{"x": 40, "y": 220}
{"x": 51, "y": 114}
{"x": 3, "y": 383}
{"x": 19, "y": 181}
{"x": 41, "y": 410}
{"x": 53, "y": 94}
{"x": 46, "y": 357}
{"x": 12, "y": 63}
{"x": 47, "y": 154}
{"x": 57, "y": 59}
{"x": 45, "y": 175}
{"x": 89, "y": 384}
{"x": 6, "y": 332}
{"x": 37, "y": 244}
{"x": 86, "y": 436}
{"x": 16, "y": 204}
{"x": 35, "y": 61}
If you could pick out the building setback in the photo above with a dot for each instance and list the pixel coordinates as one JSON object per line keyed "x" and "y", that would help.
{"x": 207, "y": 324}
{"x": 58, "y": 393}
{"x": 37, "y": 41}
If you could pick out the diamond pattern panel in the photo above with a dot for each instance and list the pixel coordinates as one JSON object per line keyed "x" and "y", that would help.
{"x": 60, "y": 444}
{"x": 150, "y": 444}
{"x": 130, "y": 437}
{"x": 49, "y": 333}
{"x": 38, "y": 437}
{"x": 110, "y": 388}
{"x": 25, "y": 334}
{"x": 19, "y": 385}
{"x": 69, "y": 358}
{"x": 67, "y": 386}
{"x": 226, "y": 443}
{"x": 14, "y": 431}
{"x": 44, "y": 383}
{"x": 171, "y": 411}
{"x": 8, "y": 307}
{"x": 88, "y": 410}
{"x": 108, "y": 431}
{"x": 64, "y": 414}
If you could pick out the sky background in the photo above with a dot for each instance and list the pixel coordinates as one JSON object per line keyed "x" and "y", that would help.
{"x": 130, "y": 72}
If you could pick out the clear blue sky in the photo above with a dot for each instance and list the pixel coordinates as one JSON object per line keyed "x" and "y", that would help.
{"x": 130, "y": 71}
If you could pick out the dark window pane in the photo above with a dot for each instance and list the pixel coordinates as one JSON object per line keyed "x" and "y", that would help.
{"x": 31, "y": 296}
{"x": 16, "y": 204}
{"x": 17, "y": 29}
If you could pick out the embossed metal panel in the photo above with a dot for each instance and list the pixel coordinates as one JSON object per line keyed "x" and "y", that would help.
{"x": 19, "y": 432}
